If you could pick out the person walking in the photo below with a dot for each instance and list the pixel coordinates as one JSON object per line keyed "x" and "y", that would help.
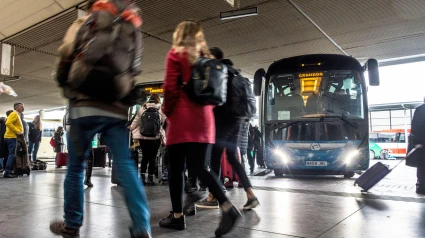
{"x": 35, "y": 133}
{"x": 147, "y": 129}
{"x": 190, "y": 130}
{"x": 417, "y": 140}
{"x": 58, "y": 137}
{"x": 89, "y": 116}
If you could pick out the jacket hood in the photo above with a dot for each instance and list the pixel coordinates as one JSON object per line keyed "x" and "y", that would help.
{"x": 149, "y": 105}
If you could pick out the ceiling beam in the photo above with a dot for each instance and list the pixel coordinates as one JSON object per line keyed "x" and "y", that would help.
{"x": 317, "y": 26}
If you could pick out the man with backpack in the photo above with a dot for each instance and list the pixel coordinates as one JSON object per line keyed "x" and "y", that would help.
{"x": 229, "y": 121}
{"x": 97, "y": 75}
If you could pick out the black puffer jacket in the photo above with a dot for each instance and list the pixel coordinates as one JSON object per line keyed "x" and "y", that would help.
{"x": 243, "y": 139}
{"x": 3, "y": 147}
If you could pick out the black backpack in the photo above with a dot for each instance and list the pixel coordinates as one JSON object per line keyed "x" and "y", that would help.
{"x": 208, "y": 83}
{"x": 107, "y": 55}
{"x": 150, "y": 122}
{"x": 240, "y": 98}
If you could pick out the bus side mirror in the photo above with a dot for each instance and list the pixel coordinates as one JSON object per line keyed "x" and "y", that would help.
{"x": 258, "y": 81}
{"x": 372, "y": 67}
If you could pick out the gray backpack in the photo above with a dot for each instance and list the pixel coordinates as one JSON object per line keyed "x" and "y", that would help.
{"x": 108, "y": 52}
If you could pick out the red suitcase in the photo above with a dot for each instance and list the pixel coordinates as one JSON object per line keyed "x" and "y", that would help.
{"x": 227, "y": 173}
{"x": 62, "y": 159}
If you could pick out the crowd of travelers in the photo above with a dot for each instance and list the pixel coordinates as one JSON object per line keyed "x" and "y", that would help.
{"x": 194, "y": 134}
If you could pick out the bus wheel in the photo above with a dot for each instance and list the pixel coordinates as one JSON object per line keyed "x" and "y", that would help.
{"x": 278, "y": 173}
{"x": 349, "y": 174}
{"x": 371, "y": 154}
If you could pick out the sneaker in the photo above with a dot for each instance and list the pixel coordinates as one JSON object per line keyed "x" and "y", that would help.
{"x": 173, "y": 223}
{"x": 207, "y": 204}
{"x": 189, "y": 208}
{"x": 144, "y": 234}
{"x": 59, "y": 228}
{"x": 9, "y": 176}
{"x": 253, "y": 203}
{"x": 228, "y": 221}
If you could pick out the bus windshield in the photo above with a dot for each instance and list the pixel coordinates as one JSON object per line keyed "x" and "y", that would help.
{"x": 301, "y": 95}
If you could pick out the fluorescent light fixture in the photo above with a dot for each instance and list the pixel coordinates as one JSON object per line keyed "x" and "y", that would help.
{"x": 253, "y": 11}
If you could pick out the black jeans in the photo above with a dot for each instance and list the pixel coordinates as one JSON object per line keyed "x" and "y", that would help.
{"x": 227, "y": 137}
{"x": 251, "y": 158}
{"x": 194, "y": 154}
{"x": 149, "y": 151}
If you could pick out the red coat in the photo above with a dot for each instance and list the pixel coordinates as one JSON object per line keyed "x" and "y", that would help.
{"x": 187, "y": 121}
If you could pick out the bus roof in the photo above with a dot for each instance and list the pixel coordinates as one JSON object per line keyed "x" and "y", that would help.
{"x": 392, "y": 130}
{"x": 314, "y": 62}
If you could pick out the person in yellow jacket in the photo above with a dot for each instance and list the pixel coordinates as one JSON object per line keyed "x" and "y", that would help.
{"x": 13, "y": 129}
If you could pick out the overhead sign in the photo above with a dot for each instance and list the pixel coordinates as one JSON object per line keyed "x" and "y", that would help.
{"x": 308, "y": 75}
{"x": 154, "y": 90}
{"x": 231, "y": 2}
{"x": 6, "y": 53}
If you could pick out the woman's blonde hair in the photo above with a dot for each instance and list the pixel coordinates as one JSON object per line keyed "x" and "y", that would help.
{"x": 189, "y": 36}
{"x": 37, "y": 122}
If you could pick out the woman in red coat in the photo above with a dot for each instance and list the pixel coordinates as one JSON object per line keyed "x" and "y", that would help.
{"x": 190, "y": 129}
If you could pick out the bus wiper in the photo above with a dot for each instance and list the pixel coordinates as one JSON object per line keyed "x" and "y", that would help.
{"x": 288, "y": 124}
{"x": 342, "y": 118}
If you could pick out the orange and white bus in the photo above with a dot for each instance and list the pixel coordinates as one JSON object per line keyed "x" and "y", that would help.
{"x": 393, "y": 141}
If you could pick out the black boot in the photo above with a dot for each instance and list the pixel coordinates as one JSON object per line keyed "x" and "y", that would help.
{"x": 87, "y": 182}
{"x": 228, "y": 220}
{"x": 143, "y": 178}
{"x": 173, "y": 223}
{"x": 189, "y": 208}
{"x": 150, "y": 180}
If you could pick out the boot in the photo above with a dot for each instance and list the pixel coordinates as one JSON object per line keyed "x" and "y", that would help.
{"x": 88, "y": 182}
{"x": 143, "y": 178}
{"x": 150, "y": 180}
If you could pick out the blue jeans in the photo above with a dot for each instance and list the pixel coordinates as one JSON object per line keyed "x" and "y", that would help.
{"x": 33, "y": 150}
{"x": 11, "y": 145}
{"x": 80, "y": 136}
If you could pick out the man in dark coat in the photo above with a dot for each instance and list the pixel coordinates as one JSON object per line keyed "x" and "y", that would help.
{"x": 418, "y": 140}
{"x": 3, "y": 148}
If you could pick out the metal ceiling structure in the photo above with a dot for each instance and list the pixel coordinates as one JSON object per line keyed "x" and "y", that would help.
{"x": 380, "y": 29}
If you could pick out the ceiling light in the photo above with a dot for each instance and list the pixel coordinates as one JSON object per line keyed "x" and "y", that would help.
{"x": 239, "y": 13}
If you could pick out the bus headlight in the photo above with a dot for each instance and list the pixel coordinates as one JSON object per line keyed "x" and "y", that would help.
{"x": 281, "y": 155}
{"x": 350, "y": 156}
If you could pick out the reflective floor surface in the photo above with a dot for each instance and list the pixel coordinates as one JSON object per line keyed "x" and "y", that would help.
{"x": 291, "y": 206}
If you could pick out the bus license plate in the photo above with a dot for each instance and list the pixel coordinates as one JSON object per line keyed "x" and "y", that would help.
{"x": 316, "y": 163}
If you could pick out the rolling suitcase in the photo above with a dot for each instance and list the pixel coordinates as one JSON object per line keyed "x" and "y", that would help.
{"x": 62, "y": 159}
{"x": 228, "y": 174}
{"x": 373, "y": 175}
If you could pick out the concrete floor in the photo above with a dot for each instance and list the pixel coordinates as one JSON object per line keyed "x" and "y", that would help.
{"x": 302, "y": 206}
